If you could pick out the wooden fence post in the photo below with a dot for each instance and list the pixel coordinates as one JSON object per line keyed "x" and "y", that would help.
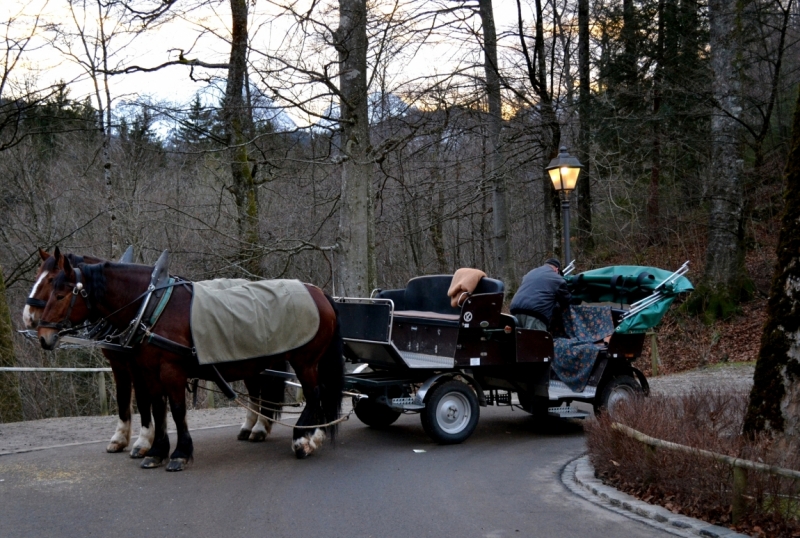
{"x": 738, "y": 506}
{"x": 101, "y": 389}
{"x": 653, "y": 354}
{"x": 650, "y": 463}
{"x": 209, "y": 397}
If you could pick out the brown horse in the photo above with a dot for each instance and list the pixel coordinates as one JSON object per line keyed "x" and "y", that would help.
{"x": 122, "y": 367}
{"x": 114, "y": 292}
{"x": 256, "y": 426}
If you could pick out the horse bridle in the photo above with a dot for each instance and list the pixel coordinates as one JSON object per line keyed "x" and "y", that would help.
{"x": 65, "y": 323}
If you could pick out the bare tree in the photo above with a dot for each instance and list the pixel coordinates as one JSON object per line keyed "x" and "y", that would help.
{"x": 584, "y": 130}
{"x": 10, "y": 401}
{"x": 775, "y": 397}
{"x": 356, "y": 236}
{"x": 495, "y": 172}
{"x": 724, "y": 271}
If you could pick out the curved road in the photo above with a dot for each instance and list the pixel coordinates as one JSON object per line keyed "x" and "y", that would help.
{"x": 502, "y": 482}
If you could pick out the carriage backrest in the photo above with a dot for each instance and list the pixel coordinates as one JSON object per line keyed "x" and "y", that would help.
{"x": 429, "y": 293}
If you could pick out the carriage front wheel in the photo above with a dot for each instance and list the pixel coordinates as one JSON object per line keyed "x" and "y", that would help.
{"x": 451, "y": 413}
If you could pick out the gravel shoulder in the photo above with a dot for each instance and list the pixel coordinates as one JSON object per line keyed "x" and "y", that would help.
{"x": 25, "y": 436}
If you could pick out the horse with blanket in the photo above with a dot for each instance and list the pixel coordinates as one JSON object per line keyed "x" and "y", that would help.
{"x": 169, "y": 348}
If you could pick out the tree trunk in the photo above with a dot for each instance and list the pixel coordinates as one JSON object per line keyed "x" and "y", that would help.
{"x": 775, "y": 397}
{"x": 654, "y": 228}
{"x": 502, "y": 247}
{"x": 725, "y": 275}
{"x": 238, "y": 126}
{"x": 552, "y": 212}
{"x": 10, "y": 401}
{"x": 584, "y": 137}
{"x": 357, "y": 270}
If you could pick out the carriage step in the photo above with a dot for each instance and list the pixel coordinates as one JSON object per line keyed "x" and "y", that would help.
{"x": 405, "y": 404}
{"x": 566, "y": 411}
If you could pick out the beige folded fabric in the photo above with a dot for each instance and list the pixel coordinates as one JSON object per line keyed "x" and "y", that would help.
{"x": 464, "y": 282}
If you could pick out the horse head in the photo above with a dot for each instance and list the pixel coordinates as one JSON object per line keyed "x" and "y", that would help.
{"x": 43, "y": 284}
{"x": 68, "y": 303}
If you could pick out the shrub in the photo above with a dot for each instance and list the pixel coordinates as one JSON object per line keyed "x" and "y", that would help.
{"x": 691, "y": 484}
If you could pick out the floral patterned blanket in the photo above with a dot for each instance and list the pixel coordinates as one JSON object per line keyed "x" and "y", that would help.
{"x": 575, "y": 355}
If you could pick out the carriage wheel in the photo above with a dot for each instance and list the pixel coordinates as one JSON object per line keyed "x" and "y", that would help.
{"x": 374, "y": 414}
{"x": 616, "y": 392}
{"x": 451, "y": 413}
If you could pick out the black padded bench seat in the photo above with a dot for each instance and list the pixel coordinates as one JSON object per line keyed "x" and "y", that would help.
{"x": 426, "y": 296}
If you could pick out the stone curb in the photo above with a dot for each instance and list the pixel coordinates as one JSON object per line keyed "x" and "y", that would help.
{"x": 578, "y": 477}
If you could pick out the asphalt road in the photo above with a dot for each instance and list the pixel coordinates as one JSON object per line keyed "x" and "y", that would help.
{"x": 502, "y": 482}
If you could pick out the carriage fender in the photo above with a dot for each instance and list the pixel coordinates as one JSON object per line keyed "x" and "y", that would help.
{"x": 429, "y": 383}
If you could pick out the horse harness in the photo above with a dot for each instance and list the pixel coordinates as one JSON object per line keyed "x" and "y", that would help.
{"x": 65, "y": 323}
{"x": 139, "y": 331}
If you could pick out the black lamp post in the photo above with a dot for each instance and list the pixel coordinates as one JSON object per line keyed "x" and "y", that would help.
{"x": 564, "y": 170}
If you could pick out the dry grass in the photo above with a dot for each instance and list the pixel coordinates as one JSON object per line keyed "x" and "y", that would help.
{"x": 693, "y": 485}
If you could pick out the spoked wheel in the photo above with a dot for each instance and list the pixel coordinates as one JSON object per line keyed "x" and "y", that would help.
{"x": 451, "y": 413}
{"x": 616, "y": 392}
{"x": 374, "y": 414}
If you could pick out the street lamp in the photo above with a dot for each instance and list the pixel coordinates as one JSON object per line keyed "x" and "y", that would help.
{"x": 564, "y": 170}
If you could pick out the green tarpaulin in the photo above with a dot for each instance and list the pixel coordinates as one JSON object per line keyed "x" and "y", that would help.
{"x": 626, "y": 284}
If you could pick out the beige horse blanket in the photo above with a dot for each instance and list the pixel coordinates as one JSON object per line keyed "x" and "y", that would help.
{"x": 236, "y": 319}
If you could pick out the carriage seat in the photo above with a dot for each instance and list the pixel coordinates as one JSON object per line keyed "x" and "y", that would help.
{"x": 425, "y": 298}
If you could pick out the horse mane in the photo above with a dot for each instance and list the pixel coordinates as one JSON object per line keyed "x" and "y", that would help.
{"x": 94, "y": 280}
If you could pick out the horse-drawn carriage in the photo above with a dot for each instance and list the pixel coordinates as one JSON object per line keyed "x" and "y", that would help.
{"x": 417, "y": 352}
{"x": 426, "y": 356}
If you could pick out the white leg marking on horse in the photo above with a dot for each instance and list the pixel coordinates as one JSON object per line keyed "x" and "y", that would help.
{"x": 250, "y": 420}
{"x": 27, "y": 316}
{"x": 122, "y": 437}
{"x": 309, "y": 442}
{"x": 260, "y": 427}
{"x": 300, "y": 442}
{"x": 317, "y": 439}
{"x": 145, "y": 440}
{"x": 265, "y": 424}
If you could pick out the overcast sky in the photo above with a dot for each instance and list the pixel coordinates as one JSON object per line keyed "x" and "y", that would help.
{"x": 47, "y": 64}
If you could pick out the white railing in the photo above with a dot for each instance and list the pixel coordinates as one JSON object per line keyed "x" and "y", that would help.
{"x": 99, "y": 372}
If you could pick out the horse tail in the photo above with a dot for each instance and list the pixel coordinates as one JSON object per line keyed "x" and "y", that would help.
{"x": 331, "y": 376}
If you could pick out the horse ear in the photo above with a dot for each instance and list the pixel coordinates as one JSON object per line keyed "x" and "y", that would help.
{"x": 43, "y": 254}
{"x": 57, "y": 256}
{"x": 67, "y": 267}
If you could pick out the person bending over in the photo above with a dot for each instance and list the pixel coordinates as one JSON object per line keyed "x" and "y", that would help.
{"x": 543, "y": 290}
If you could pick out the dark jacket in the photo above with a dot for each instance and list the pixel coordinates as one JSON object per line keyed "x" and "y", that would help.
{"x": 541, "y": 290}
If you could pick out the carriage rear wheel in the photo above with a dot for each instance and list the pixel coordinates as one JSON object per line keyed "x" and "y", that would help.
{"x": 374, "y": 414}
{"x": 451, "y": 413}
{"x": 616, "y": 392}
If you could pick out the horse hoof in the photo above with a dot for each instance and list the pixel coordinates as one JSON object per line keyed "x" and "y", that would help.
{"x": 257, "y": 437}
{"x": 114, "y": 447}
{"x": 301, "y": 448}
{"x": 151, "y": 462}
{"x": 177, "y": 464}
{"x": 138, "y": 452}
{"x": 244, "y": 435}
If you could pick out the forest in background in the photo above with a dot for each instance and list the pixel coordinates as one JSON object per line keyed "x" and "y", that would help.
{"x": 679, "y": 110}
